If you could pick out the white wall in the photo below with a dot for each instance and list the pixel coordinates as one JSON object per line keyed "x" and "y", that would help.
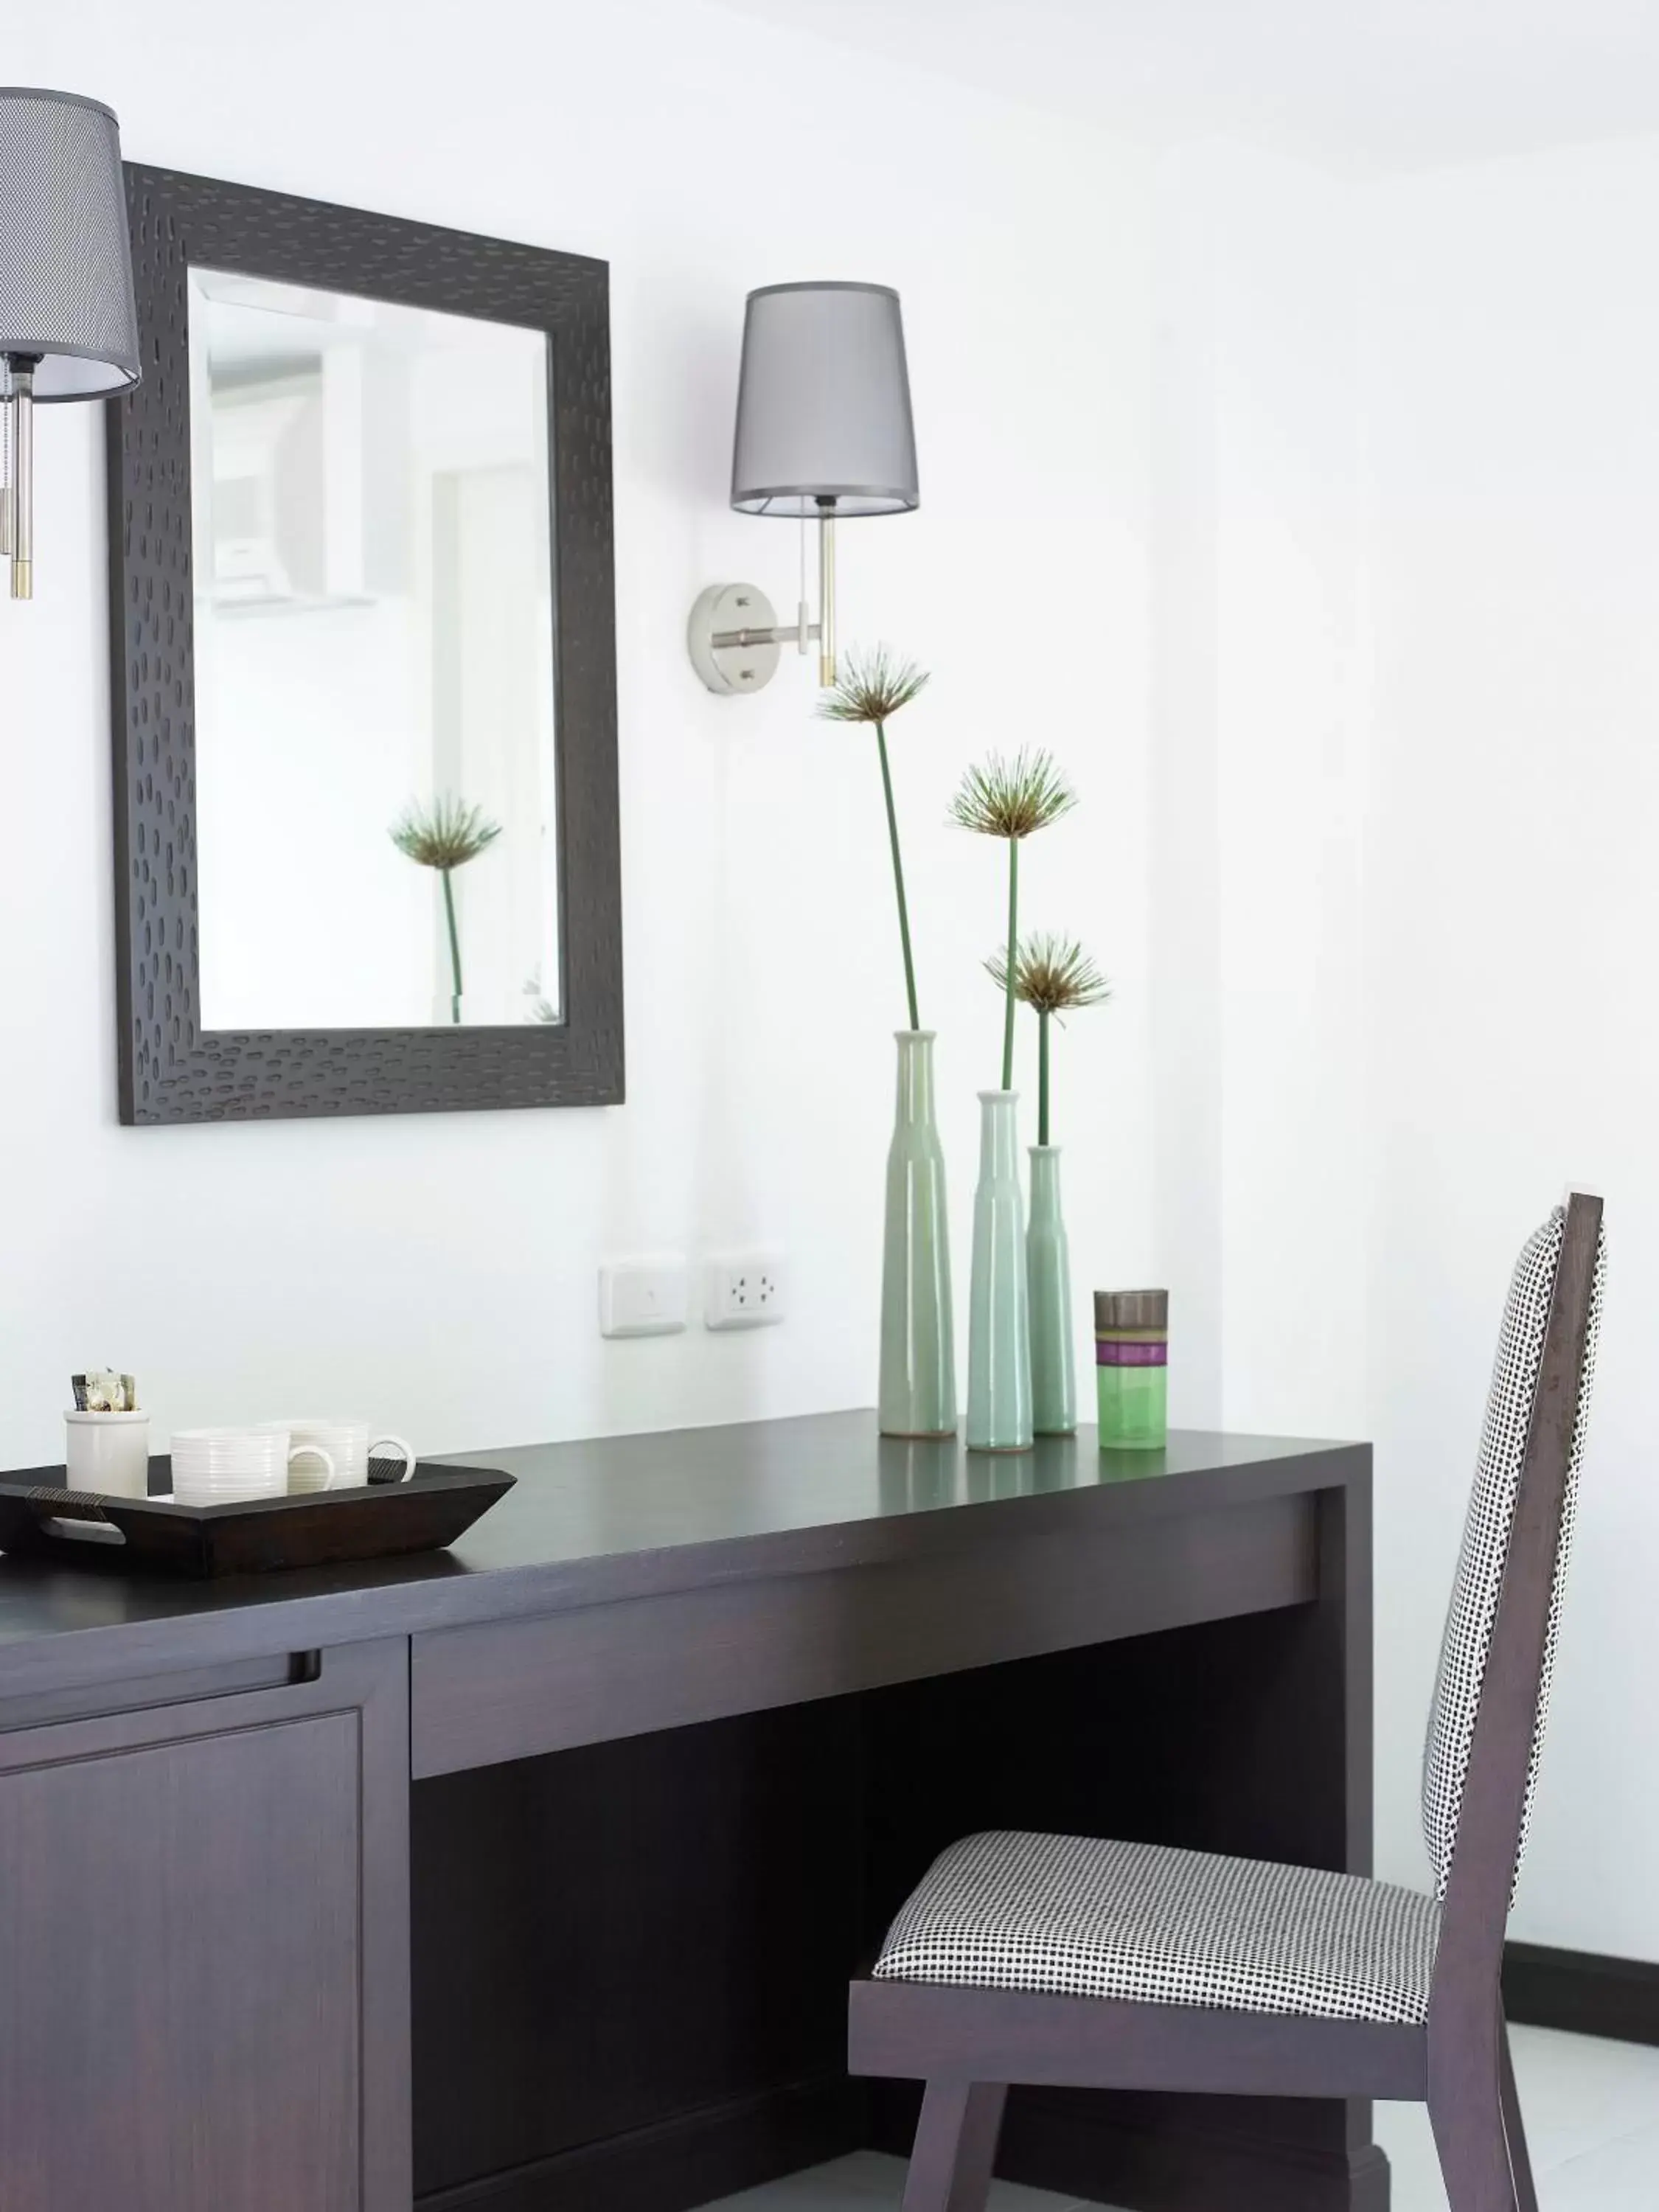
{"x": 440, "y": 1271}
{"x": 1258, "y": 648}
{"x": 1512, "y": 363}
{"x": 1406, "y": 668}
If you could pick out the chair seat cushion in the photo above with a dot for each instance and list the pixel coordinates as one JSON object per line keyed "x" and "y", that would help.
{"x": 1149, "y": 1925}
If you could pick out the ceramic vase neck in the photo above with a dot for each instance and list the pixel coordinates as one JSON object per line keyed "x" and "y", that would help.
{"x": 998, "y": 1133}
{"x": 1045, "y": 1172}
{"x": 915, "y": 1076}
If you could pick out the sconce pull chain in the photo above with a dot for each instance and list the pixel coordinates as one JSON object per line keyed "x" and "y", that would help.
{"x": 803, "y": 612}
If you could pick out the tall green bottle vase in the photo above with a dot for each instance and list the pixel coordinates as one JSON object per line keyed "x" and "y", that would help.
{"x": 998, "y": 1327}
{"x": 918, "y": 1394}
{"x": 1049, "y": 1276}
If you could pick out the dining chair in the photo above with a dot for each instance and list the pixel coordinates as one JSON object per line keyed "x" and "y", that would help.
{"x": 1075, "y": 1962}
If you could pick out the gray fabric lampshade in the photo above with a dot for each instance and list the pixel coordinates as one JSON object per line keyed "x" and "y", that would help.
{"x": 66, "y": 260}
{"x": 823, "y": 403}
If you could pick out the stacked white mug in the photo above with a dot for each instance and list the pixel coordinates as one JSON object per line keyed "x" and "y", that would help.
{"x": 212, "y": 1466}
{"x": 108, "y": 1452}
{"x": 344, "y": 1443}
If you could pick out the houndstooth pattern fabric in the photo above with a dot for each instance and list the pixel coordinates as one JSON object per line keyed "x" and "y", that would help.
{"x": 1473, "y": 1610}
{"x": 1150, "y": 1925}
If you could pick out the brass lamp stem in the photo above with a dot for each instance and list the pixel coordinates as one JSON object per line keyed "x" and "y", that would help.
{"x": 19, "y": 495}
{"x": 5, "y": 462}
{"x": 826, "y": 593}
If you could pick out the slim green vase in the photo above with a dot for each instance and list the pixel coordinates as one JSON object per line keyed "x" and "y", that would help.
{"x": 998, "y": 1324}
{"x": 918, "y": 1394}
{"x": 1049, "y": 1272}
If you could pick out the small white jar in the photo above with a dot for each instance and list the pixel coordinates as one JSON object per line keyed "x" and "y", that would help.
{"x": 107, "y": 1452}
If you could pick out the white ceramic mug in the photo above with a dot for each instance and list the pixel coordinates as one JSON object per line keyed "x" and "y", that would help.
{"x": 344, "y": 1440}
{"x": 215, "y": 1466}
{"x": 107, "y": 1452}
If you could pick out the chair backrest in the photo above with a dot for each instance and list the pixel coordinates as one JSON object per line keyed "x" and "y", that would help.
{"x": 1546, "y": 1347}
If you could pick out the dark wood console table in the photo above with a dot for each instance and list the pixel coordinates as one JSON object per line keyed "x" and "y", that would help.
{"x": 530, "y": 1875}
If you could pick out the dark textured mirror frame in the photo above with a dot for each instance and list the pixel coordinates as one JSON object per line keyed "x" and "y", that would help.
{"x": 170, "y": 1069}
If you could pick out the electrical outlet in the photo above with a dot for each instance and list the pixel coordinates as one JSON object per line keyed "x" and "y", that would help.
{"x": 644, "y": 1297}
{"x": 743, "y": 1289}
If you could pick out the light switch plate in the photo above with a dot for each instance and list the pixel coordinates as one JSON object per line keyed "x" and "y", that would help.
{"x": 644, "y": 1297}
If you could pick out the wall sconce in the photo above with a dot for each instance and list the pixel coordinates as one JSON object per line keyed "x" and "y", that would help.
{"x": 823, "y": 430}
{"x": 67, "y": 327}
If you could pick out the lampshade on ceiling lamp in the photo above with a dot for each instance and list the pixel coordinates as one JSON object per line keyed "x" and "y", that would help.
{"x": 823, "y": 430}
{"x": 68, "y": 326}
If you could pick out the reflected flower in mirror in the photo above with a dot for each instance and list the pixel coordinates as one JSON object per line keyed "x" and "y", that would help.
{"x": 445, "y": 835}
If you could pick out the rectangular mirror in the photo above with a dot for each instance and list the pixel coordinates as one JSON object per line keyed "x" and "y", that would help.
{"x": 371, "y": 543}
{"x": 366, "y": 799}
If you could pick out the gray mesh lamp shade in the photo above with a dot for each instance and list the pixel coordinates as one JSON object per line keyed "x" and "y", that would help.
{"x": 824, "y": 429}
{"x": 823, "y": 403}
{"x": 823, "y": 418}
{"x": 68, "y": 326}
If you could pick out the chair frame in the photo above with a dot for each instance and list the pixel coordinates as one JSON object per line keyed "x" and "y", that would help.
{"x": 969, "y": 2044}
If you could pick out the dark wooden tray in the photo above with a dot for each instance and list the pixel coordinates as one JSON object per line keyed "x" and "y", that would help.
{"x": 39, "y": 1518}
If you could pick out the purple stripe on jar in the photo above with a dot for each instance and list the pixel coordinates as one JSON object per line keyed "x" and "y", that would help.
{"x": 1131, "y": 1355}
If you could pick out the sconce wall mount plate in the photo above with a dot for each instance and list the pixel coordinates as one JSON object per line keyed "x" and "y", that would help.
{"x": 731, "y": 638}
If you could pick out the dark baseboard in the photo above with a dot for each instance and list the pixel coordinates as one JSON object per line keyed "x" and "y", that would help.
{"x": 678, "y": 2163}
{"x": 1581, "y": 1992}
{"x": 1166, "y": 2169}
{"x": 1127, "y": 2151}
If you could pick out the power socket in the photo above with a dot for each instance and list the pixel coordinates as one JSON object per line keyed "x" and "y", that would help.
{"x": 743, "y": 1289}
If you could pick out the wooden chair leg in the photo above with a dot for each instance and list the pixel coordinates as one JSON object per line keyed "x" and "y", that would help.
{"x": 1515, "y": 2134}
{"x": 956, "y": 2146}
{"x": 1475, "y": 2156}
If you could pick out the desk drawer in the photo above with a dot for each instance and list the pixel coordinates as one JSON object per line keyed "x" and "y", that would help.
{"x": 204, "y": 1920}
{"x": 513, "y": 1689}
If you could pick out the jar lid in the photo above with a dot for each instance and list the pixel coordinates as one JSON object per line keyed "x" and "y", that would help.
{"x": 1115, "y": 1310}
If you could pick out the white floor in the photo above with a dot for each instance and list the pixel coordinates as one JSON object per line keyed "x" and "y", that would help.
{"x": 1591, "y": 2109}
{"x": 1592, "y": 2115}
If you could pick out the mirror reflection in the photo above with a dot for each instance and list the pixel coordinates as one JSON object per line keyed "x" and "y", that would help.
{"x": 375, "y": 743}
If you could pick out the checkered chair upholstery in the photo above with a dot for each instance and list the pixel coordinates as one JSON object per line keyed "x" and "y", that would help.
{"x": 1473, "y": 1610}
{"x": 1153, "y": 1926}
{"x": 1143, "y": 1923}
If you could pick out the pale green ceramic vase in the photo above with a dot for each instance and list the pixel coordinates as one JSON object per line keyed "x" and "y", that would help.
{"x": 1049, "y": 1276}
{"x": 999, "y": 1322}
{"x": 918, "y": 1395}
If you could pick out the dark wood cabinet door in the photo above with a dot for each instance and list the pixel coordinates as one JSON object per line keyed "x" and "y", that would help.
{"x": 204, "y": 1949}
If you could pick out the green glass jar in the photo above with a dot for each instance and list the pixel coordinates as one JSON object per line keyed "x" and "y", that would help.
{"x": 1132, "y": 1367}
